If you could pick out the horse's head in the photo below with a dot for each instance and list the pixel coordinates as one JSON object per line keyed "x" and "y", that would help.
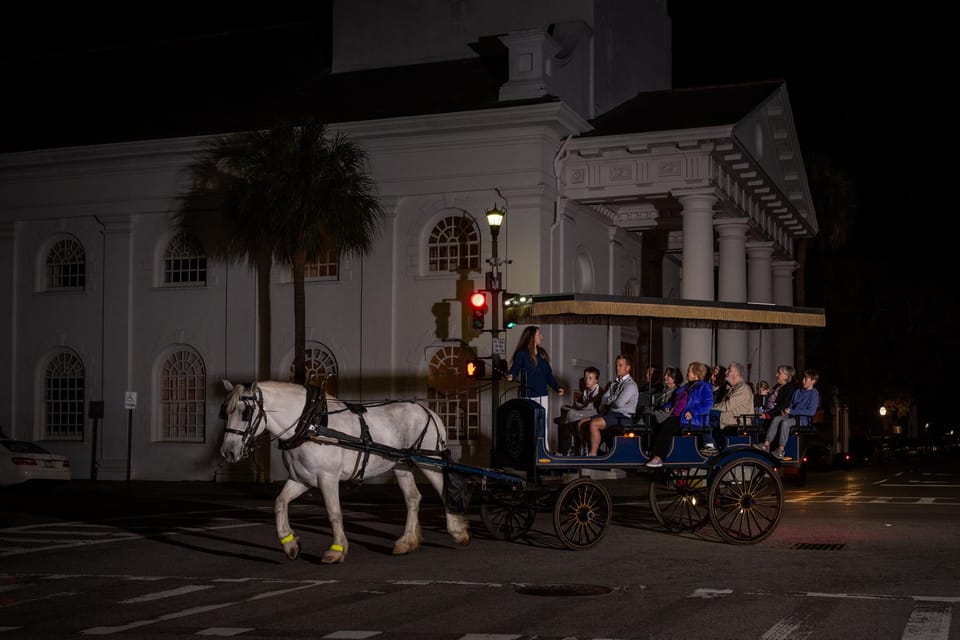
{"x": 243, "y": 412}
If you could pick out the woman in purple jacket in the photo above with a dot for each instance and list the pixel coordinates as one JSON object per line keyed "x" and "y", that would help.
{"x": 691, "y": 406}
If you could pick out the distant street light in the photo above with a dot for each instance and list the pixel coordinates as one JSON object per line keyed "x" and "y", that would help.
{"x": 883, "y": 411}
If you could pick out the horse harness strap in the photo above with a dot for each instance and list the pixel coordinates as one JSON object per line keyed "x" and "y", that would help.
{"x": 313, "y": 426}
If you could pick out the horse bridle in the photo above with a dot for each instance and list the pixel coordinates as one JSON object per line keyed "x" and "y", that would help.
{"x": 252, "y": 414}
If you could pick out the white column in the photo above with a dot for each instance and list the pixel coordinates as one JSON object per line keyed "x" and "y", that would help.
{"x": 695, "y": 344}
{"x": 783, "y": 349}
{"x": 117, "y": 360}
{"x": 732, "y": 285}
{"x": 760, "y": 362}
{"x": 672, "y": 287}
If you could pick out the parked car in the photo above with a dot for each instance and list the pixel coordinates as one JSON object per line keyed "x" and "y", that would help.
{"x": 22, "y": 461}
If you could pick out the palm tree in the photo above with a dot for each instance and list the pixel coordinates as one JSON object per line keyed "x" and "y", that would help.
{"x": 283, "y": 194}
{"x": 321, "y": 196}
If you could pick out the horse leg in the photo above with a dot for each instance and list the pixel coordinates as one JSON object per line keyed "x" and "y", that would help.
{"x": 411, "y": 537}
{"x": 457, "y": 525}
{"x": 290, "y": 492}
{"x": 330, "y": 487}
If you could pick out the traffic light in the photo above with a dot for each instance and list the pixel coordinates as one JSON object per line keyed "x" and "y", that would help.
{"x": 476, "y": 368}
{"x": 478, "y": 307}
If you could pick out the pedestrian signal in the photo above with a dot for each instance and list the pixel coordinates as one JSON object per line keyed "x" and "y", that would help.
{"x": 476, "y": 368}
{"x": 478, "y": 307}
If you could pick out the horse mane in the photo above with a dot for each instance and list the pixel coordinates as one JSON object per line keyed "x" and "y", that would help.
{"x": 234, "y": 397}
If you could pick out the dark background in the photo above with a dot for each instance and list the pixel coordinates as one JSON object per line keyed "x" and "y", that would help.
{"x": 870, "y": 91}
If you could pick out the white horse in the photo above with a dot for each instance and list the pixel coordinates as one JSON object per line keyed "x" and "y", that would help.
{"x": 319, "y": 462}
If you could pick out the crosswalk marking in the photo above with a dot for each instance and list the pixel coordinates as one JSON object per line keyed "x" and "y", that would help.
{"x": 179, "y": 591}
{"x": 928, "y": 621}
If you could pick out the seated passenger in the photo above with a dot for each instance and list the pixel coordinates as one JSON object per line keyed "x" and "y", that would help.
{"x": 780, "y": 396}
{"x": 690, "y": 404}
{"x": 737, "y": 401}
{"x": 663, "y": 401}
{"x": 805, "y": 402}
{"x": 617, "y": 406}
{"x": 585, "y": 406}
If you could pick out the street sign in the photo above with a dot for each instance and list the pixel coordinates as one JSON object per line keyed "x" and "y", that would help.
{"x": 130, "y": 400}
{"x": 499, "y": 346}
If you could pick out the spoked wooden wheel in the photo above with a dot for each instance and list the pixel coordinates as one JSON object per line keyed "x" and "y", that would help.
{"x": 582, "y": 513}
{"x": 678, "y": 498}
{"x": 507, "y": 516}
{"x": 746, "y": 500}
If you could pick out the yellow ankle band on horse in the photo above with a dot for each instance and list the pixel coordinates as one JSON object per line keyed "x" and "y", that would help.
{"x": 336, "y": 547}
{"x": 287, "y": 538}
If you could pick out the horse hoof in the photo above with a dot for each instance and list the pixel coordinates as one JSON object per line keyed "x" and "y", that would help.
{"x": 463, "y": 539}
{"x": 332, "y": 557}
{"x": 292, "y": 549}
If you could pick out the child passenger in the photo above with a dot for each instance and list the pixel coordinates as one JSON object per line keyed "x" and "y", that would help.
{"x": 584, "y": 406}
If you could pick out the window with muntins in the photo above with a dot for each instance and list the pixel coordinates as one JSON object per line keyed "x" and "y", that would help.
{"x": 184, "y": 262}
{"x": 183, "y": 395}
{"x": 325, "y": 267}
{"x": 64, "y": 398}
{"x": 454, "y": 245}
{"x": 66, "y": 266}
{"x": 320, "y": 366}
{"x": 453, "y": 396}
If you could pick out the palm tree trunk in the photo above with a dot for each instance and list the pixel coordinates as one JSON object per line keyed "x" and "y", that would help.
{"x": 261, "y": 454}
{"x": 299, "y": 317}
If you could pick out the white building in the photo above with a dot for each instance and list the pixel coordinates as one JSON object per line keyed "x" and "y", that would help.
{"x": 561, "y": 112}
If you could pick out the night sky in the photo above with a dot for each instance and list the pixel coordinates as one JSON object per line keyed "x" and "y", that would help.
{"x": 869, "y": 92}
{"x": 868, "y": 88}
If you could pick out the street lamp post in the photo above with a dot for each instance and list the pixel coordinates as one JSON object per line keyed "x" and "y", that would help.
{"x": 495, "y": 218}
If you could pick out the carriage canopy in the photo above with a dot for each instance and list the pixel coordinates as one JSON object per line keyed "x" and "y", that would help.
{"x": 579, "y": 308}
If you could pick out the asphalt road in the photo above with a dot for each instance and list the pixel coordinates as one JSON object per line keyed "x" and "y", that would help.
{"x": 871, "y": 552}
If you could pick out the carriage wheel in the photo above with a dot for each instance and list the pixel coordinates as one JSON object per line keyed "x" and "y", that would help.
{"x": 746, "y": 500}
{"x": 678, "y": 498}
{"x": 507, "y": 516}
{"x": 582, "y": 513}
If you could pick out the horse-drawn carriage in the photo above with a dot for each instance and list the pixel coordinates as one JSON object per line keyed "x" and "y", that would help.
{"x": 738, "y": 490}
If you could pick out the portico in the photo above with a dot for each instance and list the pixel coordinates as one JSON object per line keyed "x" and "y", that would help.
{"x": 723, "y": 190}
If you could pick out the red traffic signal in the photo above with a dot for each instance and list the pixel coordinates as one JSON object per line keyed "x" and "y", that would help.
{"x": 478, "y": 308}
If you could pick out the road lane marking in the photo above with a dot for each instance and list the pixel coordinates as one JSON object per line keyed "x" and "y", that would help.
{"x": 796, "y": 626}
{"x": 170, "y": 593}
{"x": 223, "y": 631}
{"x": 102, "y": 631}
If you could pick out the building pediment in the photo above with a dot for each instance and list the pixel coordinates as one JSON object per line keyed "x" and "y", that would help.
{"x": 738, "y": 142}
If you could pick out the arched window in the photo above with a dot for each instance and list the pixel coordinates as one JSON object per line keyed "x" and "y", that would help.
{"x": 320, "y": 365}
{"x": 184, "y": 262}
{"x": 454, "y": 396}
{"x": 64, "y": 397}
{"x": 454, "y": 245}
{"x": 183, "y": 395}
{"x": 66, "y": 266}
